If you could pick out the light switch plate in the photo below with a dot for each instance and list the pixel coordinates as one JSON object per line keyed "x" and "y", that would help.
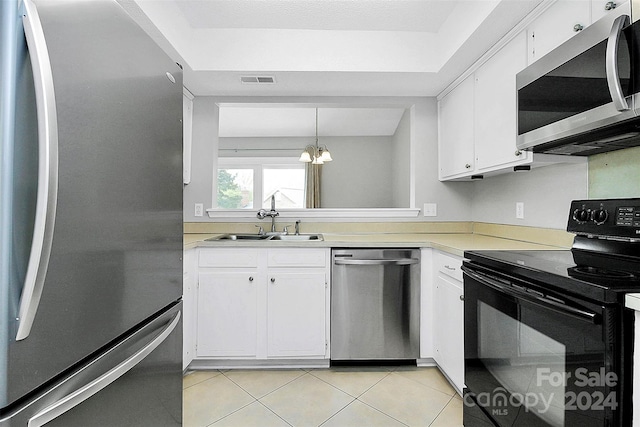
{"x": 430, "y": 209}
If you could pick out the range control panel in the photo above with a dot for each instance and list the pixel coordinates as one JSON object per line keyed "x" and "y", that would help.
{"x": 628, "y": 216}
{"x": 605, "y": 217}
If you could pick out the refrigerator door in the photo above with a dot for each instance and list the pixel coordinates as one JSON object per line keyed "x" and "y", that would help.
{"x": 136, "y": 382}
{"x": 106, "y": 245}
{"x": 18, "y": 160}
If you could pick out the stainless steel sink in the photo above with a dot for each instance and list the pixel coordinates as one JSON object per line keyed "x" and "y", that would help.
{"x": 241, "y": 237}
{"x": 265, "y": 237}
{"x": 297, "y": 237}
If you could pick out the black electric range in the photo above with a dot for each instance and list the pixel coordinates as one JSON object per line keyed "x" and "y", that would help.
{"x": 540, "y": 315}
{"x": 602, "y": 265}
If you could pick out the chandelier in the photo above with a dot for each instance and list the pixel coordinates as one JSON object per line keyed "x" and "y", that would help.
{"x": 315, "y": 154}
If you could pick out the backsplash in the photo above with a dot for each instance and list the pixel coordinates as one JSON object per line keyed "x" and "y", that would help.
{"x": 615, "y": 174}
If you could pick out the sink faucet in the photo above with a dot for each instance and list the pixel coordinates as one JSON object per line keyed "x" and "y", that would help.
{"x": 262, "y": 214}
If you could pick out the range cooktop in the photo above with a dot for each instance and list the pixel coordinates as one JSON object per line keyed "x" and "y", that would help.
{"x": 603, "y": 263}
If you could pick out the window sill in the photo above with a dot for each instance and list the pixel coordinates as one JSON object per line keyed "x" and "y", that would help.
{"x": 319, "y": 213}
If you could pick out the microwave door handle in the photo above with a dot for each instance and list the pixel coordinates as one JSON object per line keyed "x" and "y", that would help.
{"x": 613, "y": 79}
{"x": 534, "y": 299}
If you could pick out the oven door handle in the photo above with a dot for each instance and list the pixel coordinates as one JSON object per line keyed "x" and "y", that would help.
{"x": 533, "y": 298}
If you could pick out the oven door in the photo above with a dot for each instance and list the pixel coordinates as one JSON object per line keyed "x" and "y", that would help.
{"x": 536, "y": 360}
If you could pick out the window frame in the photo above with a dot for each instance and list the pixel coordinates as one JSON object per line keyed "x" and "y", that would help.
{"x": 257, "y": 164}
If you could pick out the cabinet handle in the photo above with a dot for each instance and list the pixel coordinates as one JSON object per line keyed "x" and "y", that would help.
{"x": 461, "y": 297}
{"x": 273, "y": 280}
{"x": 518, "y": 153}
{"x": 468, "y": 166}
{"x": 610, "y": 5}
{"x": 578, "y": 27}
{"x": 251, "y": 278}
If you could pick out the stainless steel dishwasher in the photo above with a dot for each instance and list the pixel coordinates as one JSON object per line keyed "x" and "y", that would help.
{"x": 375, "y": 304}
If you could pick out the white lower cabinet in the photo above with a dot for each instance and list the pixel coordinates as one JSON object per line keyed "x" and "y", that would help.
{"x": 296, "y": 314}
{"x": 227, "y": 314}
{"x": 189, "y": 275}
{"x": 448, "y": 315}
{"x": 263, "y": 303}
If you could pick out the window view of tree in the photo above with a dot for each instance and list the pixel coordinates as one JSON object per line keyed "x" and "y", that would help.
{"x": 233, "y": 191}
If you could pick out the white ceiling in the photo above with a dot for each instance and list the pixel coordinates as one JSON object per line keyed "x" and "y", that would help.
{"x": 278, "y": 121}
{"x": 326, "y": 47}
{"x": 369, "y": 49}
{"x": 360, "y": 15}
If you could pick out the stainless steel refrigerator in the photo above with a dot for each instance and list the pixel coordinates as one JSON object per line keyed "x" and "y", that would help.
{"x": 90, "y": 219}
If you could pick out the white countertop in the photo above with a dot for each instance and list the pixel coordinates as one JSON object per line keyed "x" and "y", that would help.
{"x": 454, "y": 243}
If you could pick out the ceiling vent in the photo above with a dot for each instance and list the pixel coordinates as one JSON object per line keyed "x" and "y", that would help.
{"x": 258, "y": 79}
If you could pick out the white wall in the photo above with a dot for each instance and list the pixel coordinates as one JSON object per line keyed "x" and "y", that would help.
{"x": 546, "y": 193}
{"x": 204, "y": 148}
{"x": 360, "y": 175}
{"x": 401, "y": 155}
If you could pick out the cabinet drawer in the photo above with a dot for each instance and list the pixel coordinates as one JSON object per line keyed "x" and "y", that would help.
{"x": 297, "y": 258}
{"x": 236, "y": 257}
{"x": 449, "y": 265}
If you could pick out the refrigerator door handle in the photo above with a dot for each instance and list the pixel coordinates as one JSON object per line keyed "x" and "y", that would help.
{"x": 77, "y": 397}
{"x": 46, "y": 198}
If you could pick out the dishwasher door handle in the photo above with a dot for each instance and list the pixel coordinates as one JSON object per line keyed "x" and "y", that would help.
{"x": 388, "y": 261}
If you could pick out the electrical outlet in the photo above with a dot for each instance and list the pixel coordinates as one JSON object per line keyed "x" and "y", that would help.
{"x": 430, "y": 209}
{"x": 519, "y": 210}
{"x": 199, "y": 209}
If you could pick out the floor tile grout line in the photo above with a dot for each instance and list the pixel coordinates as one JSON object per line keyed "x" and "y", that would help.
{"x": 340, "y": 410}
{"x": 275, "y": 413}
{"x": 442, "y": 410}
{"x": 199, "y": 382}
{"x": 432, "y": 388}
{"x": 240, "y": 408}
{"x": 382, "y": 412}
{"x": 231, "y": 413}
{"x": 338, "y": 388}
{"x": 275, "y": 389}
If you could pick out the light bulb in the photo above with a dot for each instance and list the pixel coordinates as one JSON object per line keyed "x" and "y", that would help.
{"x": 305, "y": 157}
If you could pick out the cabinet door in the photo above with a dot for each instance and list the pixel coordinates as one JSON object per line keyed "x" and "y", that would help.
{"x": 455, "y": 142}
{"x": 189, "y": 298}
{"x": 555, "y": 26}
{"x": 449, "y": 328}
{"x": 495, "y": 107}
{"x": 600, "y": 8}
{"x": 227, "y": 314}
{"x": 296, "y": 310}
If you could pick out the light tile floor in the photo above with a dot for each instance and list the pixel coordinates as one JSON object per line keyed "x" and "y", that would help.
{"x": 336, "y": 397}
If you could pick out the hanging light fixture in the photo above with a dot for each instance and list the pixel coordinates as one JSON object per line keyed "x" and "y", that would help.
{"x": 315, "y": 154}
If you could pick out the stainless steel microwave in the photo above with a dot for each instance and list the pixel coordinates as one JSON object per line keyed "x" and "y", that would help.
{"x": 582, "y": 97}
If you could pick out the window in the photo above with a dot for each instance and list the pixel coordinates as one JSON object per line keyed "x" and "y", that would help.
{"x": 245, "y": 183}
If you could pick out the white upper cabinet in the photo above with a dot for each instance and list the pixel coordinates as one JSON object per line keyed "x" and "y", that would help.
{"x": 455, "y": 142}
{"x": 600, "y": 8}
{"x": 495, "y": 107}
{"x": 559, "y": 23}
